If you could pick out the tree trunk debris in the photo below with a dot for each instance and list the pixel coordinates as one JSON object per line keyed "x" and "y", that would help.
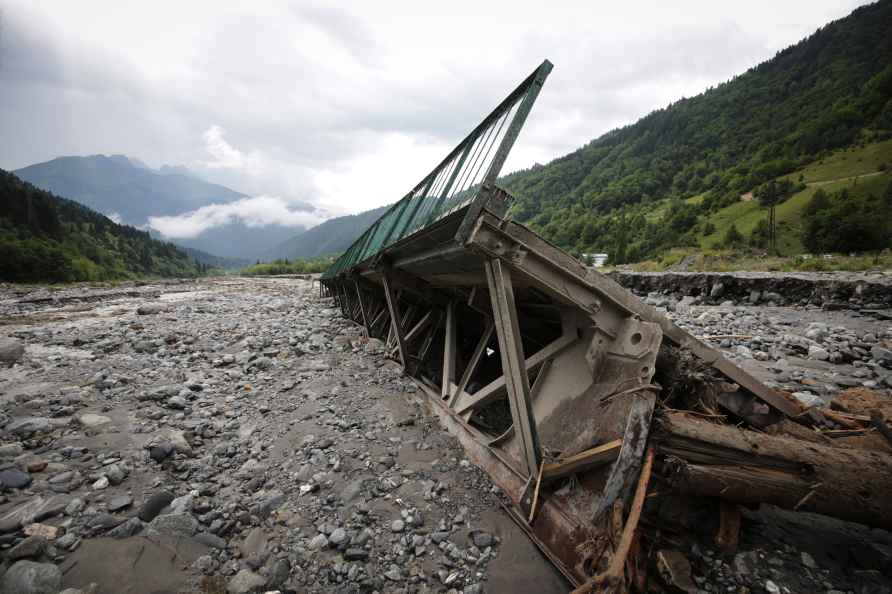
{"x": 704, "y": 458}
{"x": 615, "y": 575}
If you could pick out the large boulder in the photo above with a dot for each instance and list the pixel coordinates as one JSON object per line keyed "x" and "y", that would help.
{"x": 93, "y": 420}
{"x": 27, "y": 577}
{"x": 153, "y": 506}
{"x": 11, "y": 351}
{"x": 13, "y": 478}
{"x": 149, "y": 309}
{"x": 253, "y": 548}
{"x": 30, "y": 548}
{"x": 27, "y": 425}
{"x": 246, "y": 582}
{"x": 882, "y": 356}
{"x": 176, "y": 525}
{"x": 165, "y": 443}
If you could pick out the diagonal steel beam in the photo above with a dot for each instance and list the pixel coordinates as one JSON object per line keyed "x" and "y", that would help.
{"x": 496, "y": 388}
{"x": 534, "y": 391}
{"x": 395, "y": 326}
{"x": 449, "y": 352}
{"x": 474, "y": 361}
{"x": 429, "y": 338}
{"x": 517, "y": 383}
{"x": 418, "y": 327}
{"x": 365, "y": 321}
{"x": 378, "y": 315}
{"x": 404, "y": 321}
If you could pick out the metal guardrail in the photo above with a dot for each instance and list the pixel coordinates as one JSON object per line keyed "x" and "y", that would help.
{"x": 456, "y": 182}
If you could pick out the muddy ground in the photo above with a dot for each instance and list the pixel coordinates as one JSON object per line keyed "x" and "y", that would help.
{"x": 237, "y": 435}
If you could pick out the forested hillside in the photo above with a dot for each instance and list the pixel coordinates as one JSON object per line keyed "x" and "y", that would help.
{"x": 124, "y": 186}
{"x": 44, "y": 238}
{"x": 656, "y": 184}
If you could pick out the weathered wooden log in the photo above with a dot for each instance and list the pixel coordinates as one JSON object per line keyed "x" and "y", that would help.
{"x": 705, "y": 458}
{"x": 591, "y": 458}
{"x": 728, "y": 535}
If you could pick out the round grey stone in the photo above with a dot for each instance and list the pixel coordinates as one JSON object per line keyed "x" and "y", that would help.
{"x": 119, "y": 503}
{"x": 13, "y": 478}
{"x": 175, "y": 525}
{"x": 10, "y": 350}
{"x": 245, "y": 582}
{"x": 154, "y": 504}
{"x": 338, "y": 537}
{"x": 318, "y": 542}
{"x": 27, "y": 577}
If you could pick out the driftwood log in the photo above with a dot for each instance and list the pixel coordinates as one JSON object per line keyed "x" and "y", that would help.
{"x": 704, "y": 458}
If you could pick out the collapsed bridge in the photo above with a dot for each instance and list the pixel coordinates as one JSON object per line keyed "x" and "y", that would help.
{"x": 568, "y": 390}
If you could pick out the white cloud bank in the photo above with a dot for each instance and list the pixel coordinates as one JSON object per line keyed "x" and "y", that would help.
{"x": 226, "y": 156}
{"x": 258, "y": 211}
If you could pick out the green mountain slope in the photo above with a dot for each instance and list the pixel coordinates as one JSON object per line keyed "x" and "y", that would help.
{"x": 332, "y": 236}
{"x": 860, "y": 171}
{"x": 44, "y": 238}
{"x": 829, "y": 91}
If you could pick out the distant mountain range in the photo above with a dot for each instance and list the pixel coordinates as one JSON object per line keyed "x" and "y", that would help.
{"x": 125, "y": 187}
{"x": 211, "y": 261}
{"x": 237, "y": 241}
{"x": 130, "y": 192}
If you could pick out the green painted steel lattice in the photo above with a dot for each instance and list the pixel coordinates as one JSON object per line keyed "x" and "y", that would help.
{"x": 456, "y": 182}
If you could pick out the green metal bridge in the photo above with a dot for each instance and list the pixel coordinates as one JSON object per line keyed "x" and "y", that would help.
{"x": 464, "y": 177}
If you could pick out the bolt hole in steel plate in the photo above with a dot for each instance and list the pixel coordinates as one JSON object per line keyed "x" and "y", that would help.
{"x": 635, "y": 338}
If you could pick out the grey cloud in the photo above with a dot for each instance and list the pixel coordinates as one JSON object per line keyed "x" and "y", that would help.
{"x": 349, "y": 31}
{"x": 258, "y": 211}
{"x": 349, "y": 107}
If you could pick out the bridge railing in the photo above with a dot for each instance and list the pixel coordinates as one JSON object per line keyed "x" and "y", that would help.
{"x": 456, "y": 182}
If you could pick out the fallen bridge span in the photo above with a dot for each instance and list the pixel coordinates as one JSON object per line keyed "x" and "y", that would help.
{"x": 552, "y": 375}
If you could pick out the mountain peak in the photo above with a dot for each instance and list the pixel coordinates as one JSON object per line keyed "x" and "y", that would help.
{"x": 124, "y": 185}
{"x": 175, "y": 170}
{"x": 128, "y": 189}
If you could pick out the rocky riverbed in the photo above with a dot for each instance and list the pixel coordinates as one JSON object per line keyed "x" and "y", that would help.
{"x": 807, "y": 349}
{"x": 237, "y": 435}
{"x": 230, "y": 435}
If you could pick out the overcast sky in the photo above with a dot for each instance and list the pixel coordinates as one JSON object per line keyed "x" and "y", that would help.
{"x": 347, "y": 105}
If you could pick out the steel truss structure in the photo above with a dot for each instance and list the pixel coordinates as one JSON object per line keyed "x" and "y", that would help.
{"x": 543, "y": 368}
